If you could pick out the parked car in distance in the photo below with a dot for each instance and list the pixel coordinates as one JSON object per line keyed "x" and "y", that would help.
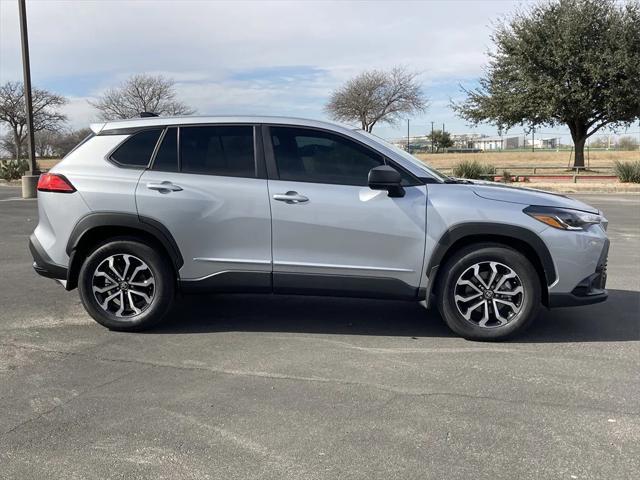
{"x": 148, "y": 207}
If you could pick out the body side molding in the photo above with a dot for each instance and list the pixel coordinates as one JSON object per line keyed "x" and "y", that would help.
{"x": 344, "y": 286}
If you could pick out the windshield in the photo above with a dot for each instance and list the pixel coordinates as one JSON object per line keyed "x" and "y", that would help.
{"x": 406, "y": 155}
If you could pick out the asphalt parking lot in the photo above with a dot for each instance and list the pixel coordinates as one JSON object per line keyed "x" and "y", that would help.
{"x": 251, "y": 387}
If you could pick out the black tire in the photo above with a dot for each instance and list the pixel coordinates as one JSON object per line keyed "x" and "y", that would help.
{"x": 462, "y": 262}
{"x": 163, "y": 290}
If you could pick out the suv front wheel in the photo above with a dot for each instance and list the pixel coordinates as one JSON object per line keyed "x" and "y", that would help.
{"x": 126, "y": 285}
{"x": 488, "y": 292}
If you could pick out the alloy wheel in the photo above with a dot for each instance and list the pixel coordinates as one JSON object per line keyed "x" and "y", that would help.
{"x": 123, "y": 285}
{"x": 489, "y": 294}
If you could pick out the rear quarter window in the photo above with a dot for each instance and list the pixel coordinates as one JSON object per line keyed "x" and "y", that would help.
{"x": 136, "y": 151}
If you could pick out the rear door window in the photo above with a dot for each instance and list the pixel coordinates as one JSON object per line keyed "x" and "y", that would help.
{"x": 167, "y": 157}
{"x": 136, "y": 151}
{"x": 218, "y": 150}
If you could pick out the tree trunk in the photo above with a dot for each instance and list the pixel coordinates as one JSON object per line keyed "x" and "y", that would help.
{"x": 579, "y": 152}
{"x": 579, "y": 136}
{"x": 18, "y": 143}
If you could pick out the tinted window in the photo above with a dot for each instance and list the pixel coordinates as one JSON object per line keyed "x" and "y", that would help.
{"x": 137, "y": 150}
{"x": 226, "y": 151}
{"x": 321, "y": 157}
{"x": 167, "y": 157}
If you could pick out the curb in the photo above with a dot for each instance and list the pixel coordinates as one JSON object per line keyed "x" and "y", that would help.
{"x": 11, "y": 183}
{"x": 631, "y": 189}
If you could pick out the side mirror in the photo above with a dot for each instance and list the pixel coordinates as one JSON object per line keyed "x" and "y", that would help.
{"x": 386, "y": 178}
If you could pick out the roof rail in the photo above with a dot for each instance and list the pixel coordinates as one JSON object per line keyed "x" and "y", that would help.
{"x": 148, "y": 114}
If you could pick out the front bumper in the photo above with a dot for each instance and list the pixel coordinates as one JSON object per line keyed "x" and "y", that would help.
{"x": 590, "y": 290}
{"x": 42, "y": 263}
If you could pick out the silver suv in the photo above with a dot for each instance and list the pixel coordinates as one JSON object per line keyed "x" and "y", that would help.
{"x": 148, "y": 207}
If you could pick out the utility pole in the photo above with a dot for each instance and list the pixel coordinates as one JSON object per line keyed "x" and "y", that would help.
{"x": 29, "y": 181}
{"x": 408, "y": 144}
{"x": 431, "y": 137}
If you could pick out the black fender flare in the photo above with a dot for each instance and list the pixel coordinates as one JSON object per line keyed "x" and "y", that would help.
{"x": 492, "y": 229}
{"x": 124, "y": 220}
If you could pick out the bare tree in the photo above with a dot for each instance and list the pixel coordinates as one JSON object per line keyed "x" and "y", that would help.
{"x": 8, "y": 146}
{"x": 66, "y": 141}
{"x": 141, "y": 93}
{"x": 45, "y": 143}
{"x": 627, "y": 143}
{"x": 46, "y": 115}
{"x": 377, "y": 96}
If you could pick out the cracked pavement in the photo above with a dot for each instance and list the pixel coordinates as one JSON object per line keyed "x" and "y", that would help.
{"x": 265, "y": 387}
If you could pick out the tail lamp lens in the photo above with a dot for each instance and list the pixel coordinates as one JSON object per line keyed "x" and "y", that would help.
{"x": 53, "y": 182}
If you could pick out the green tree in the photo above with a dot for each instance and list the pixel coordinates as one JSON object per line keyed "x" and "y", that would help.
{"x": 440, "y": 139}
{"x": 572, "y": 62}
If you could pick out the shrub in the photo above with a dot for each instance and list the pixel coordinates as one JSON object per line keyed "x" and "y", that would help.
{"x": 627, "y": 171}
{"x": 473, "y": 169}
{"x": 13, "y": 169}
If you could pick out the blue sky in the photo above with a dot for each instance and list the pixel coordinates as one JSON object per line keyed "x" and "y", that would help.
{"x": 279, "y": 58}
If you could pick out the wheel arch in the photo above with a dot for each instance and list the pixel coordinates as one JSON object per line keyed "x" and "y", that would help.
{"x": 96, "y": 227}
{"x": 519, "y": 238}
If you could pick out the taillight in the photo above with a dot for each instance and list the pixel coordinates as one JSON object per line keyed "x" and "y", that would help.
{"x": 54, "y": 182}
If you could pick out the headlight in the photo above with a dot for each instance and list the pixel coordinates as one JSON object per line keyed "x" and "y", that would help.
{"x": 563, "y": 218}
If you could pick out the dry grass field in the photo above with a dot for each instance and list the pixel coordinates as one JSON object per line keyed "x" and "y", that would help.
{"x": 47, "y": 163}
{"x": 512, "y": 160}
{"x": 600, "y": 159}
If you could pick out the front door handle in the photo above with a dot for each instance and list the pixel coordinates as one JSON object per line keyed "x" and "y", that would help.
{"x": 164, "y": 187}
{"x": 290, "y": 197}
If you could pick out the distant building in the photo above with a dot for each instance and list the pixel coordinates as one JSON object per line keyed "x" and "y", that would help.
{"x": 416, "y": 143}
{"x": 490, "y": 143}
{"x": 465, "y": 140}
{"x": 479, "y": 142}
{"x": 515, "y": 142}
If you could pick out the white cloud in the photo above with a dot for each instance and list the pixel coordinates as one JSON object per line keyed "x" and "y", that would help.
{"x": 79, "y": 112}
{"x": 91, "y": 45}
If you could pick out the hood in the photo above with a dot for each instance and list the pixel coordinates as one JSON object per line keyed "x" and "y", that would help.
{"x": 527, "y": 196}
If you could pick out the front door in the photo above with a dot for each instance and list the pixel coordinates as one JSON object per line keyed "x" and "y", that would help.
{"x": 331, "y": 232}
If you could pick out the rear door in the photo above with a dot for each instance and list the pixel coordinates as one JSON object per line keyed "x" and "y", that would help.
{"x": 205, "y": 185}
{"x": 331, "y": 232}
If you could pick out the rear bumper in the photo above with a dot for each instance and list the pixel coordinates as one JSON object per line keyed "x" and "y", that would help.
{"x": 42, "y": 263}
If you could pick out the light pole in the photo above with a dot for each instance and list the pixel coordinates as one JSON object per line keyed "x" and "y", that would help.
{"x": 431, "y": 137}
{"x": 408, "y": 144}
{"x": 29, "y": 181}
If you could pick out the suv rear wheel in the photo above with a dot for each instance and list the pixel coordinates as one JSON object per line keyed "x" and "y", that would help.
{"x": 126, "y": 285}
{"x": 488, "y": 292}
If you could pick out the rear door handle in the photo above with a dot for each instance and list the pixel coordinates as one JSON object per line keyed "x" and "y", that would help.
{"x": 290, "y": 197}
{"x": 165, "y": 186}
